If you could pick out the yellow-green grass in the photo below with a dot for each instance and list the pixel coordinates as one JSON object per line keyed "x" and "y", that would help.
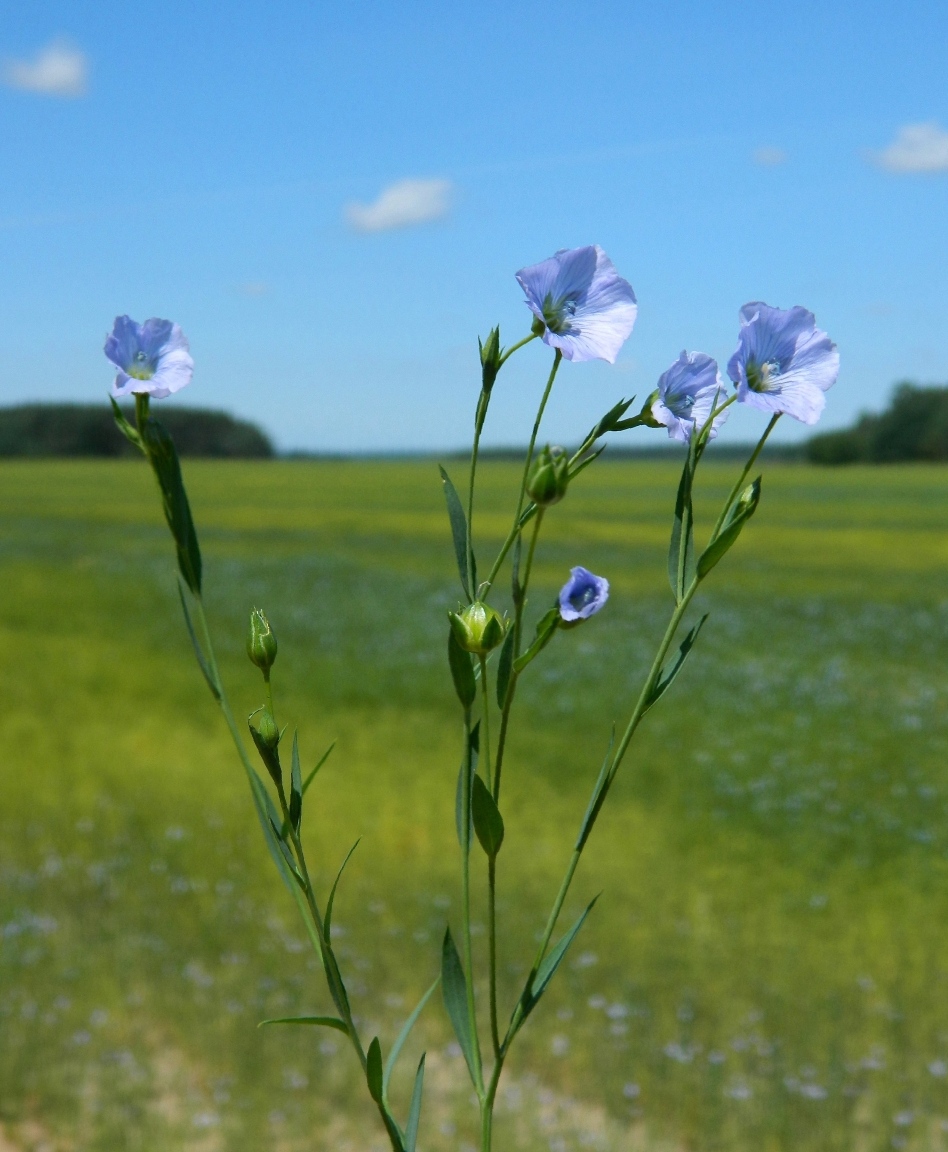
{"x": 766, "y": 968}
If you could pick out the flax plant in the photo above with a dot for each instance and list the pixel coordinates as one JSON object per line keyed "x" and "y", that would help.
{"x": 583, "y": 310}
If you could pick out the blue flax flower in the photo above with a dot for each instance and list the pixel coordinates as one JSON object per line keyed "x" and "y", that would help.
{"x": 152, "y": 357}
{"x": 582, "y": 305}
{"x": 582, "y": 595}
{"x": 783, "y": 362}
{"x": 687, "y": 395}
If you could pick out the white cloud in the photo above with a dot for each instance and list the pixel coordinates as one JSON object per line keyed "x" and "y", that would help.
{"x": 59, "y": 69}
{"x": 916, "y": 148}
{"x": 770, "y": 157}
{"x": 402, "y": 205}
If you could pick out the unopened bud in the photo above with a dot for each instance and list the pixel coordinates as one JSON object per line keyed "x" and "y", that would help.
{"x": 490, "y": 359}
{"x": 261, "y": 642}
{"x": 478, "y": 628}
{"x": 266, "y": 736}
{"x": 549, "y": 477}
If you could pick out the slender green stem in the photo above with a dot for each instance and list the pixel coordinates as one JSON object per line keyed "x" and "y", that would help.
{"x": 485, "y": 722}
{"x": 752, "y": 460}
{"x": 466, "y": 902}
{"x": 478, "y": 427}
{"x": 492, "y": 950}
{"x": 533, "y": 435}
{"x": 514, "y": 347}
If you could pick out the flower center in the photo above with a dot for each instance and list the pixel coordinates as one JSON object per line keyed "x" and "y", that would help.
{"x": 140, "y": 368}
{"x": 558, "y": 315}
{"x": 582, "y": 597}
{"x": 680, "y": 403}
{"x": 763, "y": 377}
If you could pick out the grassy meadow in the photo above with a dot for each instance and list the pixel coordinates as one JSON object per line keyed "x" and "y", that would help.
{"x": 767, "y": 968}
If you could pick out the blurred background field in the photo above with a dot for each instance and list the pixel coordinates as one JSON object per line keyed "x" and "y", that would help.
{"x": 766, "y": 969}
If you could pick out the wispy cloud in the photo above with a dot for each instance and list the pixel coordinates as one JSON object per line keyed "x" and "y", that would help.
{"x": 59, "y": 69}
{"x": 770, "y": 157}
{"x": 916, "y": 148}
{"x": 402, "y": 205}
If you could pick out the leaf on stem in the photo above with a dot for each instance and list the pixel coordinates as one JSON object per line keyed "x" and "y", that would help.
{"x": 669, "y": 673}
{"x": 414, "y": 1113}
{"x": 403, "y": 1036}
{"x": 373, "y": 1070}
{"x": 296, "y": 787}
{"x": 327, "y": 922}
{"x": 167, "y": 468}
{"x": 462, "y": 671}
{"x": 322, "y": 760}
{"x": 537, "y": 984}
{"x": 269, "y": 821}
{"x": 127, "y": 430}
{"x": 488, "y": 822}
{"x": 454, "y": 990}
{"x": 737, "y": 517}
{"x": 598, "y": 798}
{"x": 198, "y": 651}
{"x": 458, "y": 530}
{"x": 582, "y": 465}
{"x": 504, "y": 667}
{"x": 682, "y": 545}
{"x": 316, "y": 1021}
{"x": 546, "y": 626}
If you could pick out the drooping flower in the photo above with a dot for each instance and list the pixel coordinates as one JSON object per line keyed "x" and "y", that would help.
{"x": 783, "y": 362}
{"x": 582, "y": 305}
{"x": 688, "y": 392}
{"x": 583, "y": 595}
{"x": 152, "y": 357}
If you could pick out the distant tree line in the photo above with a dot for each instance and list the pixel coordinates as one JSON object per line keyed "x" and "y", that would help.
{"x": 913, "y": 427}
{"x": 89, "y": 430}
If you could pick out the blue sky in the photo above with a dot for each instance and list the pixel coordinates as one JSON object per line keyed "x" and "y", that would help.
{"x": 227, "y": 167}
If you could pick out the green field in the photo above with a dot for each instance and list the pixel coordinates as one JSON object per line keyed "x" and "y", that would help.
{"x": 767, "y": 968}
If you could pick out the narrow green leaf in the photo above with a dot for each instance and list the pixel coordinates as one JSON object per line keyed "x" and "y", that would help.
{"x": 127, "y": 429}
{"x": 458, "y": 528}
{"x": 504, "y": 667}
{"x": 373, "y": 1070}
{"x": 327, "y": 922}
{"x": 167, "y": 468}
{"x": 454, "y": 990}
{"x": 316, "y": 1021}
{"x": 599, "y": 793}
{"x": 267, "y": 815}
{"x": 681, "y": 545}
{"x": 668, "y": 674}
{"x": 414, "y": 1113}
{"x": 488, "y": 822}
{"x": 462, "y": 671}
{"x": 403, "y": 1036}
{"x": 611, "y": 422}
{"x": 546, "y": 626}
{"x": 733, "y": 526}
{"x": 582, "y": 465}
{"x": 322, "y": 760}
{"x": 296, "y": 787}
{"x": 198, "y": 651}
{"x": 538, "y": 981}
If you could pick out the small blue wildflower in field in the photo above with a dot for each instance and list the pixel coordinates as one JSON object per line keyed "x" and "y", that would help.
{"x": 582, "y": 305}
{"x": 583, "y": 595}
{"x": 152, "y": 358}
{"x": 783, "y": 362}
{"x": 687, "y": 394}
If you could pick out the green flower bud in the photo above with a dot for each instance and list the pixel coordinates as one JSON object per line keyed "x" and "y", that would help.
{"x": 549, "y": 477}
{"x": 261, "y": 642}
{"x": 264, "y": 729}
{"x": 266, "y": 736}
{"x": 490, "y": 359}
{"x": 478, "y": 628}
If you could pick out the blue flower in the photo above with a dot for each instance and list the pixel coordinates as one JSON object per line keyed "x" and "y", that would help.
{"x": 582, "y": 305}
{"x": 152, "y": 357}
{"x": 687, "y": 394}
{"x": 783, "y": 362}
{"x": 582, "y": 595}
